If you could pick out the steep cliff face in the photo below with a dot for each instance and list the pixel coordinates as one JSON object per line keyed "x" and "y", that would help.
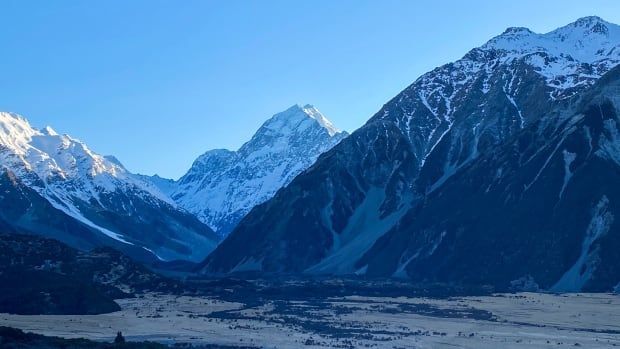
{"x": 330, "y": 216}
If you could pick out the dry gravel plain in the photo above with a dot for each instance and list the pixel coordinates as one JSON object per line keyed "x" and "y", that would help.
{"x": 522, "y": 320}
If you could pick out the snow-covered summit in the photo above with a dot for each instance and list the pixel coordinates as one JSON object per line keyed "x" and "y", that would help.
{"x": 52, "y": 156}
{"x": 567, "y": 60}
{"x": 222, "y": 185}
{"x": 297, "y": 117}
{"x": 587, "y": 40}
{"x": 48, "y": 130}
{"x": 46, "y": 152}
{"x": 591, "y": 23}
{"x": 314, "y": 113}
{"x": 15, "y": 131}
{"x": 568, "y": 57}
{"x": 85, "y": 185}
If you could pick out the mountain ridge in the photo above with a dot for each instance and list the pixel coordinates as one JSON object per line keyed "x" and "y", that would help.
{"x": 553, "y": 189}
{"x": 412, "y": 146}
{"x": 222, "y": 185}
{"x": 94, "y": 191}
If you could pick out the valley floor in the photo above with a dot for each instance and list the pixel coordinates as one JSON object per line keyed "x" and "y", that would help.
{"x": 524, "y": 320}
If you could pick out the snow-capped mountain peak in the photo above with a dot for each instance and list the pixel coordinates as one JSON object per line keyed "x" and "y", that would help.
{"x": 87, "y": 186}
{"x": 49, "y": 131}
{"x": 223, "y": 185}
{"x": 314, "y": 113}
{"x": 589, "y": 22}
{"x": 586, "y": 40}
{"x": 517, "y": 30}
{"x": 48, "y": 153}
{"x": 297, "y": 118}
{"x": 15, "y": 132}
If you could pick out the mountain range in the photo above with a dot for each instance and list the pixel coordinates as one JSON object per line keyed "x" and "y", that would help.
{"x": 222, "y": 186}
{"x": 498, "y": 168}
{"x": 53, "y": 185}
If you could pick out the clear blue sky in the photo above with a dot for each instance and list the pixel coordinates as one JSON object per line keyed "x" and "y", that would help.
{"x": 157, "y": 83}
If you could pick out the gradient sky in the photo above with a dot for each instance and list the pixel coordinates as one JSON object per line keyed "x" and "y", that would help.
{"x": 157, "y": 83}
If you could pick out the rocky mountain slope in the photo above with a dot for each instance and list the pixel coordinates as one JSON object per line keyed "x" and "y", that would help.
{"x": 334, "y": 217}
{"x": 539, "y": 212}
{"x": 55, "y": 186}
{"x": 222, "y": 186}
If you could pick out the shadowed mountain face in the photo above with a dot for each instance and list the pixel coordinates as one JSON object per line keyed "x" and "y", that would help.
{"x": 542, "y": 207}
{"x": 222, "y": 186}
{"x": 341, "y": 214}
{"x": 55, "y": 186}
{"x": 44, "y": 276}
